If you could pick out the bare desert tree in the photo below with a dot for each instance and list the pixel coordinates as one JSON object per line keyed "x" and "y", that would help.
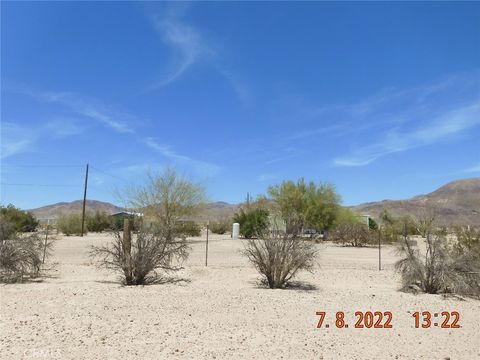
{"x": 424, "y": 220}
{"x": 280, "y": 257}
{"x": 167, "y": 198}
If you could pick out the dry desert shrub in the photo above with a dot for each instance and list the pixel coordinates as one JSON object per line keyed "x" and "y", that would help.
{"x": 468, "y": 240}
{"x": 188, "y": 228}
{"x": 160, "y": 240}
{"x": 440, "y": 268}
{"x": 139, "y": 258}
{"x": 352, "y": 233}
{"x": 220, "y": 227}
{"x": 21, "y": 257}
{"x": 280, "y": 258}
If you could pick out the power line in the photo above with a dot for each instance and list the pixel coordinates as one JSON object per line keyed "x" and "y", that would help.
{"x": 106, "y": 173}
{"x": 42, "y": 166}
{"x": 46, "y": 185}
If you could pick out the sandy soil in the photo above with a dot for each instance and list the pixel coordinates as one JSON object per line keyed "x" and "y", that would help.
{"x": 220, "y": 311}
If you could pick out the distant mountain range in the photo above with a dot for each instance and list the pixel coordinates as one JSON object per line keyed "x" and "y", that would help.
{"x": 457, "y": 202}
{"x": 52, "y": 211}
{"x": 214, "y": 211}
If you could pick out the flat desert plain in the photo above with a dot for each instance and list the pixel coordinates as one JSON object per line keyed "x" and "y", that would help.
{"x": 221, "y": 311}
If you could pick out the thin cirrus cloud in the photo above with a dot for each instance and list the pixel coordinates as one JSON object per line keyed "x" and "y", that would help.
{"x": 202, "y": 167}
{"x": 109, "y": 116}
{"x": 444, "y": 126}
{"x": 190, "y": 47}
{"x": 392, "y": 119}
{"x": 266, "y": 177}
{"x": 93, "y": 109}
{"x": 17, "y": 139}
{"x": 472, "y": 169}
{"x": 389, "y": 121}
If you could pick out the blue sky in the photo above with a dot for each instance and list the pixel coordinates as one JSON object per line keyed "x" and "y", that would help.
{"x": 381, "y": 99}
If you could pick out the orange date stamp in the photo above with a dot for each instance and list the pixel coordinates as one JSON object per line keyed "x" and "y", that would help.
{"x": 384, "y": 320}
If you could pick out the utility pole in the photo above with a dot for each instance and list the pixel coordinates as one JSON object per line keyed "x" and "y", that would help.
{"x": 84, "y": 199}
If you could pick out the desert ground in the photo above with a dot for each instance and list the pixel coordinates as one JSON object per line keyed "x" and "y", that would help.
{"x": 222, "y": 312}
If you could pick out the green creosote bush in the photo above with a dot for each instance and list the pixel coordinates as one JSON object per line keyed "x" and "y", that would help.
{"x": 305, "y": 205}
{"x": 220, "y": 227}
{"x": 71, "y": 224}
{"x": 17, "y": 220}
{"x": 188, "y": 228}
{"x": 98, "y": 222}
{"x": 252, "y": 219}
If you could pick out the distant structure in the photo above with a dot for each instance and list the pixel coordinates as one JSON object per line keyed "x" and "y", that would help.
{"x": 52, "y": 220}
{"x": 366, "y": 219}
{"x": 126, "y": 215}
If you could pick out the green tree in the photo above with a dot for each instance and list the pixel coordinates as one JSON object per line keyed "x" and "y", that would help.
{"x": 17, "y": 220}
{"x": 98, "y": 222}
{"x": 303, "y": 205}
{"x": 372, "y": 224}
{"x": 253, "y": 220}
{"x": 345, "y": 216}
{"x": 166, "y": 199}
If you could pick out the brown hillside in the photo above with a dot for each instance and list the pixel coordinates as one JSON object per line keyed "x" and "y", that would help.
{"x": 52, "y": 211}
{"x": 457, "y": 202}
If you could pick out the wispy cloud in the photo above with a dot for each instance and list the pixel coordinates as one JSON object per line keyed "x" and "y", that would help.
{"x": 286, "y": 154}
{"x": 91, "y": 108}
{"x": 187, "y": 43}
{"x": 442, "y": 127}
{"x": 60, "y": 127}
{"x": 384, "y": 118}
{"x": 201, "y": 167}
{"x": 397, "y": 120}
{"x": 165, "y": 150}
{"x": 190, "y": 46}
{"x": 266, "y": 177}
{"x": 16, "y": 139}
{"x": 110, "y": 116}
{"x": 472, "y": 169}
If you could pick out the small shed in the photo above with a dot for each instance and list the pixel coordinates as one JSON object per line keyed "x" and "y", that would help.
{"x": 119, "y": 217}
